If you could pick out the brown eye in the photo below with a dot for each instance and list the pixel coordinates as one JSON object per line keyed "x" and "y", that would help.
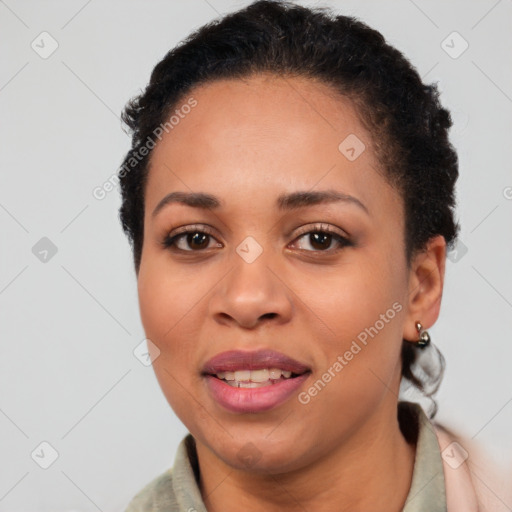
{"x": 321, "y": 239}
{"x": 197, "y": 240}
{"x": 190, "y": 240}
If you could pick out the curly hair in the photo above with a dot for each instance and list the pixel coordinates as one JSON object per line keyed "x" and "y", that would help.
{"x": 407, "y": 124}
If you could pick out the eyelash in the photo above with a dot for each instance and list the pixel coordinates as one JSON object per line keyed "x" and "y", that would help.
{"x": 170, "y": 240}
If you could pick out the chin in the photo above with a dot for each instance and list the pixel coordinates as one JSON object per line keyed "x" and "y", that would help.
{"x": 258, "y": 454}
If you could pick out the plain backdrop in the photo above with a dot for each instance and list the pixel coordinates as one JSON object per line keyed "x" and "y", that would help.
{"x": 69, "y": 316}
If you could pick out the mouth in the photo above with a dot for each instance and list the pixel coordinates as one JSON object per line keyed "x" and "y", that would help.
{"x": 251, "y": 382}
{"x": 255, "y": 378}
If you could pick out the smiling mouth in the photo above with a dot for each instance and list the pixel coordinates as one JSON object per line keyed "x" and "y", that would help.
{"x": 255, "y": 378}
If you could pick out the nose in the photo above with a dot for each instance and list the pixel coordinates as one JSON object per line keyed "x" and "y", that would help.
{"x": 251, "y": 294}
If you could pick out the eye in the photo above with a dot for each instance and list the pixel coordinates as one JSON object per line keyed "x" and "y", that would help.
{"x": 321, "y": 238}
{"x": 196, "y": 238}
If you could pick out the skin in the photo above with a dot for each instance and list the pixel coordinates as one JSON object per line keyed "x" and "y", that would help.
{"x": 246, "y": 142}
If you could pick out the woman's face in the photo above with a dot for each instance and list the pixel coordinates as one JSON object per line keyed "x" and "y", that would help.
{"x": 267, "y": 276}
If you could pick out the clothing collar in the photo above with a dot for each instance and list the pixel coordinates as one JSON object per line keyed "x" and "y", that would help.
{"x": 427, "y": 491}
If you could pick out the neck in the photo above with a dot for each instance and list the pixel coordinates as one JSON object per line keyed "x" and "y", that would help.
{"x": 372, "y": 470}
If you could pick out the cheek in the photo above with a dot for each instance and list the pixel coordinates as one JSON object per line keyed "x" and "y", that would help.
{"x": 163, "y": 301}
{"x": 165, "y": 294}
{"x": 360, "y": 366}
{"x": 355, "y": 297}
{"x": 364, "y": 311}
{"x": 166, "y": 301}
{"x": 172, "y": 302}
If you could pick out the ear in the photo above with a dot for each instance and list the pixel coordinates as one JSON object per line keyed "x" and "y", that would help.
{"x": 426, "y": 279}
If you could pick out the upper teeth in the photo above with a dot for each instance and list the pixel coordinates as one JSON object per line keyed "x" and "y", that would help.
{"x": 255, "y": 375}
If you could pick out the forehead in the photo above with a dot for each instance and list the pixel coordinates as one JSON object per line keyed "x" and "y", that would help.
{"x": 265, "y": 134}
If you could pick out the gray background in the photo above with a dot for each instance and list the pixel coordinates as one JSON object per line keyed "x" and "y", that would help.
{"x": 69, "y": 325}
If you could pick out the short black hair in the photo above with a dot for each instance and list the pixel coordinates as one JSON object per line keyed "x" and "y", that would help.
{"x": 407, "y": 124}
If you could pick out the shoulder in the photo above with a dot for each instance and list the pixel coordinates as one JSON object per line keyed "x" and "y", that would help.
{"x": 157, "y": 495}
{"x": 175, "y": 489}
{"x": 473, "y": 480}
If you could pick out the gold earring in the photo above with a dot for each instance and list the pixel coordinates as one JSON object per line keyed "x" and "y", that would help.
{"x": 423, "y": 336}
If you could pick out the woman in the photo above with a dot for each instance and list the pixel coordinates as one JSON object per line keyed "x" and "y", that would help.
{"x": 289, "y": 198}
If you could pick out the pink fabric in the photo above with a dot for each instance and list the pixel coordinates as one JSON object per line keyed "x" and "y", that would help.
{"x": 473, "y": 483}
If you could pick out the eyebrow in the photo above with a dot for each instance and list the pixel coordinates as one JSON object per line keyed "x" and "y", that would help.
{"x": 291, "y": 201}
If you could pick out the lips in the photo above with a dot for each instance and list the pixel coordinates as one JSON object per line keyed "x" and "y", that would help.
{"x": 253, "y": 382}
